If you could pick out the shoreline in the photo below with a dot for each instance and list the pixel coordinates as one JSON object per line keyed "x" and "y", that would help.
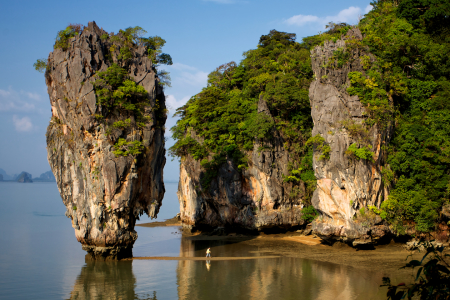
{"x": 169, "y": 222}
{"x": 387, "y": 259}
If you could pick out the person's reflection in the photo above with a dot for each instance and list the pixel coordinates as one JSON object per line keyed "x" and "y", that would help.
{"x": 106, "y": 280}
{"x": 208, "y": 264}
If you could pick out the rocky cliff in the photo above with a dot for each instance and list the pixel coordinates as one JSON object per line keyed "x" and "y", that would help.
{"x": 105, "y": 140}
{"x": 255, "y": 198}
{"x": 346, "y": 184}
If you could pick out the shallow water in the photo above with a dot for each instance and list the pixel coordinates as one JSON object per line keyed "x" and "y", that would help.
{"x": 41, "y": 259}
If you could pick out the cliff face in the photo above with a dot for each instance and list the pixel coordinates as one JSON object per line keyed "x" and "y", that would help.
{"x": 345, "y": 184}
{"x": 104, "y": 192}
{"x": 254, "y": 199}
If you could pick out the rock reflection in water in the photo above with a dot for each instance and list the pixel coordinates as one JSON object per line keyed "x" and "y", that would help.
{"x": 107, "y": 280}
{"x": 274, "y": 278}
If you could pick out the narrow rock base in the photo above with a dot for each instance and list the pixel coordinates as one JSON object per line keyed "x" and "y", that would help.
{"x": 107, "y": 253}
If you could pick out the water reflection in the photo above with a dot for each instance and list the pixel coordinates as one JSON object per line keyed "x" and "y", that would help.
{"x": 107, "y": 280}
{"x": 259, "y": 278}
{"x": 275, "y": 278}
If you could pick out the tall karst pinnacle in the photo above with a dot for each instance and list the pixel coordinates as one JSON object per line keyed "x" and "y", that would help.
{"x": 105, "y": 140}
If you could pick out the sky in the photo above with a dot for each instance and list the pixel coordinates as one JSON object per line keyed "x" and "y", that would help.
{"x": 200, "y": 36}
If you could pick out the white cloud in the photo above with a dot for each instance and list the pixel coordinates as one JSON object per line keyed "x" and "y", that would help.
{"x": 187, "y": 75}
{"x": 11, "y": 100}
{"x": 33, "y": 96}
{"x": 22, "y": 124}
{"x": 198, "y": 78}
{"x": 368, "y": 8}
{"x": 348, "y": 15}
{"x": 181, "y": 67}
{"x": 172, "y": 103}
{"x": 301, "y": 20}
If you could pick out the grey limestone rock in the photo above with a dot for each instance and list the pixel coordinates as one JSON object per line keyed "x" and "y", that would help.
{"x": 345, "y": 184}
{"x": 104, "y": 194}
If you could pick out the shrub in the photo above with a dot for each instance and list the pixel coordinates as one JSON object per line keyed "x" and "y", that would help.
{"x": 124, "y": 148}
{"x": 360, "y": 153}
{"x": 63, "y": 36}
{"x": 319, "y": 143}
{"x": 41, "y": 65}
{"x": 309, "y": 213}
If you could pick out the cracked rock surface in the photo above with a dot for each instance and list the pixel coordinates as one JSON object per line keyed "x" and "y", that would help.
{"x": 104, "y": 194}
{"x": 345, "y": 184}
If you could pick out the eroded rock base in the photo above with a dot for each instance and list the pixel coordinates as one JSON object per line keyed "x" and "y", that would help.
{"x": 107, "y": 253}
{"x": 352, "y": 234}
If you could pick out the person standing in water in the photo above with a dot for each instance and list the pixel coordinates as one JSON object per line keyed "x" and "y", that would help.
{"x": 208, "y": 252}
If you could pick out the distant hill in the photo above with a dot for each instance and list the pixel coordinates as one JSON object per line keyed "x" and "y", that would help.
{"x": 24, "y": 177}
{"x": 5, "y": 176}
{"x": 47, "y": 177}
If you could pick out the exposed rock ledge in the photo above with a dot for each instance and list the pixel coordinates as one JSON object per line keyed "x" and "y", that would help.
{"x": 103, "y": 194}
{"x": 344, "y": 184}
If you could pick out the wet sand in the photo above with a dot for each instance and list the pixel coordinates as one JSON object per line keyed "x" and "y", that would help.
{"x": 387, "y": 259}
{"x": 170, "y": 222}
{"x": 201, "y": 258}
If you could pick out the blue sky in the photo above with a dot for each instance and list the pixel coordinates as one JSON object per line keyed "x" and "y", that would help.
{"x": 200, "y": 35}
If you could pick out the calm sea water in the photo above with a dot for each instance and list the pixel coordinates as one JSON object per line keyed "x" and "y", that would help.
{"x": 41, "y": 259}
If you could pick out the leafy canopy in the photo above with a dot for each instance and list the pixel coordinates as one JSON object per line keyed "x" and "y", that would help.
{"x": 409, "y": 84}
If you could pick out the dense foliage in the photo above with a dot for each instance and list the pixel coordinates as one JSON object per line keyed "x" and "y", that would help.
{"x": 223, "y": 120}
{"x": 404, "y": 86}
{"x": 408, "y": 83}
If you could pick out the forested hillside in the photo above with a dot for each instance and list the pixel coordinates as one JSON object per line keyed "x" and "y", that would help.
{"x": 405, "y": 85}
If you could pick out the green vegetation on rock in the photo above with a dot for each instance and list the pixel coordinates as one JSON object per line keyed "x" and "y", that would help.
{"x": 360, "y": 153}
{"x": 119, "y": 95}
{"x": 408, "y": 83}
{"x": 223, "y": 120}
{"x": 309, "y": 213}
{"x": 319, "y": 143}
{"x": 124, "y": 105}
{"x": 63, "y": 36}
{"x": 405, "y": 86}
{"x": 41, "y": 65}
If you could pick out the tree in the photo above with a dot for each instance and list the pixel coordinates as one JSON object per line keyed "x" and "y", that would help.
{"x": 40, "y": 65}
